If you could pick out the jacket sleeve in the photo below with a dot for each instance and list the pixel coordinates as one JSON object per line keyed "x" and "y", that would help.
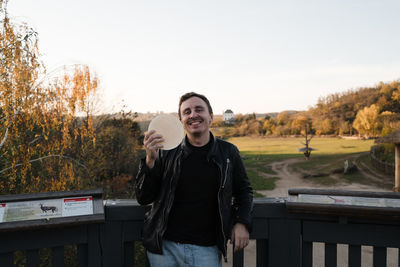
{"x": 242, "y": 192}
{"x": 148, "y": 182}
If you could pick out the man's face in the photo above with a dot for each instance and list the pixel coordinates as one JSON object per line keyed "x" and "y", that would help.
{"x": 195, "y": 117}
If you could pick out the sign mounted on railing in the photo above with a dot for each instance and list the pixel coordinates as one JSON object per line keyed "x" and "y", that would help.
{"x": 344, "y": 203}
{"x": 46, "y": 209}
{"x": 346, "y": 200}
{"x": 54, "y": 208}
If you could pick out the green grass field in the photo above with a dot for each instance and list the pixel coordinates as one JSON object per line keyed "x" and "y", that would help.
{"x": 331, "y": 153}
{"x": 289, "y": 145}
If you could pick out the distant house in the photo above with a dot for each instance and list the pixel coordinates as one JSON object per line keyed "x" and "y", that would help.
{"x": 229, "y": 117}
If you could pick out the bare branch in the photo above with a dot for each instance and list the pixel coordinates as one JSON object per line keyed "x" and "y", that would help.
{"x": 34, "y": 140}
{"x": 4, "y": 139}
{"x": 48, "y": 156}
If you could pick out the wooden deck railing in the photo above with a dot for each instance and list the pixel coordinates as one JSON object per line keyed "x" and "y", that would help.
{"x": 285, "y": 236}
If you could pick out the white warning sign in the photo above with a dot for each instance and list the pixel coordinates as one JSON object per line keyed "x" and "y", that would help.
{"x": 77, "y": 206}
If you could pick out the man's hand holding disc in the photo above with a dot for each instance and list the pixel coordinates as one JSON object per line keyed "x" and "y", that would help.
{"x": 152, "y": 143}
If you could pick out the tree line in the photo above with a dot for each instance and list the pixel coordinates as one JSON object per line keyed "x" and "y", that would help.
{"x": 368, "y": 111}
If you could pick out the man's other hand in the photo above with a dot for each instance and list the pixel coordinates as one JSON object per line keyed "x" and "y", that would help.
{"x": 240, "y": 237}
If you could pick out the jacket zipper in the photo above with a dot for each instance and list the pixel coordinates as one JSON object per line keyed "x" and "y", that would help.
{"x": 142, "y": 180}
{"x": 219, "y": 204}
{"x": 226, "y": 173}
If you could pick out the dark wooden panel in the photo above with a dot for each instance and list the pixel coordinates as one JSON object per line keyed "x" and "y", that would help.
{"x": 262, "y": 252}
{"x": 57, "y": 256}
{"x": 356, "y": 234}
{"x": 111, "y": 240}
{"x": 379, "y": 257}
{"x": 32, "y": 258}
{"x": 269, "y": 208}
{"x": 124, "y": 210}
{"x": 238, "y": 259}
{"x": 129, "y": 254}
{"x": 94, "y": 249}
{"x": 354, "y": 256}
{"x": 42, "y": 238}
{"x": 330, "y": 255}
{"x": 307, "y": 254}
{"x": 131, "y": 230}
{"x": 7, "y": 259}
{"x": 82, "y": 255}
{"x": 260, "y": 229}
{"x": 284, "y": 243}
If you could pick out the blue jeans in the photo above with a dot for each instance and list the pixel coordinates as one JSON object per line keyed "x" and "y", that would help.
{"x": 185, "y": 255}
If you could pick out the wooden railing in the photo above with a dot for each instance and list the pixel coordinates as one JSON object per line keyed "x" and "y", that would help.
{"x": 286, "y": 235}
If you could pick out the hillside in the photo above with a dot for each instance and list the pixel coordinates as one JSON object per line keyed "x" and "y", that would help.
{"x": 367, "y": 111}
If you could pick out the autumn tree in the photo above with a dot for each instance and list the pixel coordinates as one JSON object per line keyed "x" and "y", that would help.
{"x": 42, "y": 138}
{"x": 113, "y": 159}
{"x": 389, "y": 122}
{"x": 255, "y": 127}
{"x": 366, "y": 121}
{"x": 300, "y": 123}
{"x": 269, "y": 126}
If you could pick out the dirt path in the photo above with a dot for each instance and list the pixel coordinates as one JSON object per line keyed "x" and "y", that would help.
{"x": 289, "y": 179}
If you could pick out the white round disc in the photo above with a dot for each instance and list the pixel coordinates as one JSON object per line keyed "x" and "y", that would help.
{"x": 170, "y": 128}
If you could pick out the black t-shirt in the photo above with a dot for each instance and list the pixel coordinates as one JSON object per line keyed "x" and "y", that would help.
{"x": 194, "y": 212}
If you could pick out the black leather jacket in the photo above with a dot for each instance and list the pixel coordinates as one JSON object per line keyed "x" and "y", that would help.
{"x": 157, "y": 187}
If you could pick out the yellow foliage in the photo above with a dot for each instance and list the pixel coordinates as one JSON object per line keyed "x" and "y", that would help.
{"x": 366, "y": 121}
{"x": 39, "y": 122}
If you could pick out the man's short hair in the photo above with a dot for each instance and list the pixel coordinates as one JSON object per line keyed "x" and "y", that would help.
{"x": 190, "y": 95}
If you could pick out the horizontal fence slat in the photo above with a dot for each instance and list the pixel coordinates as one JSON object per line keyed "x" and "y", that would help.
{"x": 356, "y": 234}
{"x": 379, "y": 257}
{"x": 42, "y": 238}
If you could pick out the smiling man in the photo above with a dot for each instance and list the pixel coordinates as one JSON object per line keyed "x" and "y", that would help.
{"x": 191, "y": 189}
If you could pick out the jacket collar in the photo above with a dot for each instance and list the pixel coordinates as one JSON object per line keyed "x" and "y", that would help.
{"x": 213, "y": 149}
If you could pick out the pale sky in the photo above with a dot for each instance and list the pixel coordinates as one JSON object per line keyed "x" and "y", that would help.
{"x": 248, "y": 56}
